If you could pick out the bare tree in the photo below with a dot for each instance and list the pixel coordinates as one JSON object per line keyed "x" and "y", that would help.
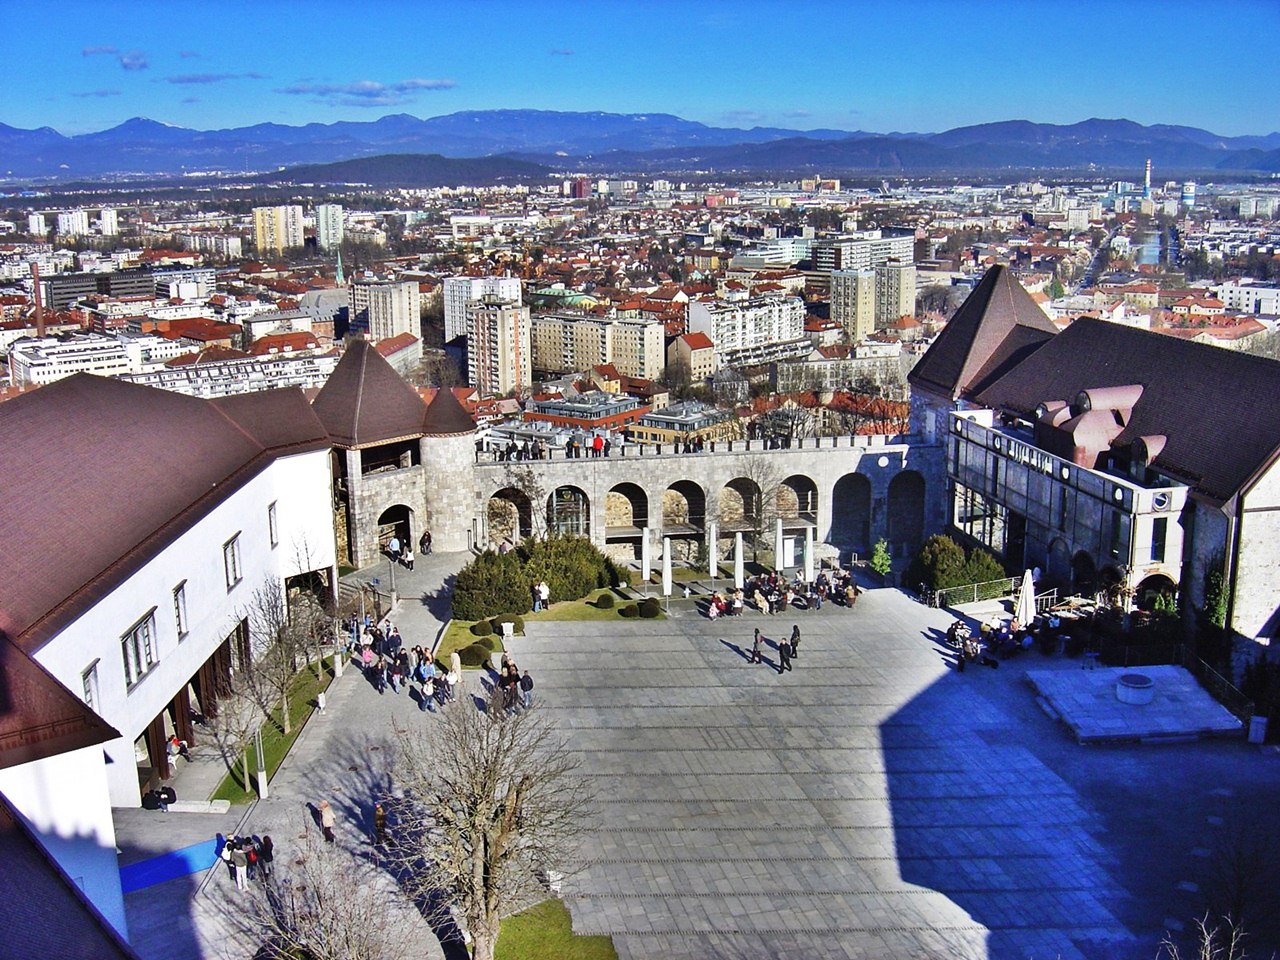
{"x": 233, "y": 729}
{"x": 282, "y": 642}
{"x": 324, "y": 904}
{"x": 1210, "y": 942}
{"x": 759, "y": 498}
{"x": 492, "y": 807}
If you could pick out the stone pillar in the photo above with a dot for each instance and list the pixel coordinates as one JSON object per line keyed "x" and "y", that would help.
{"x": 449, "y": 464}
{"x": 738, "y": 578}
{"x": 808, "y": 554}
{"x": 713, "y": 549}
{"x": 646, "y": 557}
{"x": 666, "y": 566}
{"x": 777, "y": 544}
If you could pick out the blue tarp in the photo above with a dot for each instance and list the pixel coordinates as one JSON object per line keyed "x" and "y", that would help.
{"x": 177, "y": 863}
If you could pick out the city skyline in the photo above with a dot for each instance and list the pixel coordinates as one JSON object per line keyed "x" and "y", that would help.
{"x": 867, "y": 66}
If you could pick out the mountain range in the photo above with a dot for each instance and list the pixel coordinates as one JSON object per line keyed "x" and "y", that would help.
{"x": 611, "y": 142}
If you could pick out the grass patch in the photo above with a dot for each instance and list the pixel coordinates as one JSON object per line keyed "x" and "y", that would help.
{"x": 275, "y": 744}
{"x": 458, "y": 635}
{"x": 679, "y": 574}
{"x": 545, "y": 932}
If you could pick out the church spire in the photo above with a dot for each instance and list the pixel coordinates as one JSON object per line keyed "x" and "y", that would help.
{"x": 339, "y": 279}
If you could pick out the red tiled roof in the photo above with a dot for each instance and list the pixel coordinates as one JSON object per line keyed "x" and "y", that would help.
{"x": 698, "y": 341}
{"x": 393, "y": 345}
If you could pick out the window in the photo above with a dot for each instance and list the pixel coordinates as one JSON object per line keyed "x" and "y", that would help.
{"x": 90, "y": 680}
{"x": 180, "y": 608}
{"x": 1159, "y": 533}
{"x": 231, "y": 561}
{"x": 138, "y": 649}
{"x": 271, "y": 524}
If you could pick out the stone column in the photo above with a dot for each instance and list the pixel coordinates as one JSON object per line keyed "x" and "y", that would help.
{"x": 666, "y": 566}
{"x": 713, "y": 549}
{"x": 808, "y": 554}
{"x": 738, "y": 578}
{"x": 777, "y": 544}
{"x": 646, "y": 558}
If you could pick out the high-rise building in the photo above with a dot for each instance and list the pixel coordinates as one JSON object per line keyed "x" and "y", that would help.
{"x": 751, "y": 331}
{"x": 863, "y": 251}
{"x": 329, "y": 226}
{"x": 498, "y": 353}
{"x": 73, "y": 223}
{"x": 895, "y": 292}
{"x": 575, "y": 344}
{"x": 385, "y": 308}
{"x": 37, "y": 226}
{"x": 276, "y": 228}
{"x": 108, "y": 222}
{"x": 853, "y": 301}
{"x": 460, "y": 291}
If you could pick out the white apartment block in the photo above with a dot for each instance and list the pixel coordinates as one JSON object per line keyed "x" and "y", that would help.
{"x": 387, "y": 308}
{"x": 73, "y": 223}
{"x": 37, "y": 225}
{"x": 739, "y": 328}
{"x": 226, "y": 246}
{"x": 108, "y": 222}
{"x": 895, "y": 292}
{"x": 329, "y": 226}
{"x": 460, "y": 291}
{"x": 275, "y": 228}
{"x": 44, "y": 360}
{"x": 1249, "y": 296}
{"x": 853, "y": 302}
{"x": 572, "y": 344}
{"x": 498, "y": 349}
{"x": 226, "y": 378}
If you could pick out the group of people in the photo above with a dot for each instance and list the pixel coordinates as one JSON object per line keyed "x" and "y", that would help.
{"x": 510, "y": 691}
{"x": 386, "y": 663}
{"x": 401, "y": 551}
{"x": 773, "y": 593}
{"x": 247, "y": 858}
{"x": 788, "y": 648}
{"x": 540, "y": 593}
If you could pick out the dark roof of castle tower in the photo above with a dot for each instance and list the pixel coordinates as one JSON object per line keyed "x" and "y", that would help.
{"x": 446, "y": 416}
{"x": 996, "y": 327}
{"x": 365, "y": 402}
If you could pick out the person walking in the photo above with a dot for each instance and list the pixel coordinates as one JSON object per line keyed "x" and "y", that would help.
{"x": 526, "y": 690}
{"x": 327, "y": 820}
{"x": 784, "y": 656}
{"x": 393, "y": 549}
{"x": 756, "y": 656}
{"x": 240, "y": 866}
{"x": 795, "y": 641}
{"x": 407, "y": 557}
{"x": 266, "y": 857}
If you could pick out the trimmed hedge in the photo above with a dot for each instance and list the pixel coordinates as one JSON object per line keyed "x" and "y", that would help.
{"x": 476, "y": 655}
{"x": 604, "y": 601}
{"x": 481, "y": 628}
{"x": 650, "y": 608}
{"x": 499, "y": 583}
{"x": 630, "y": 610}
{"x": 517, "y": 624}
{"x": 942, "y": 563}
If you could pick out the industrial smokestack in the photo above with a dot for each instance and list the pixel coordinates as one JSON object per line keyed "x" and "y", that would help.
{"x": 35, "y": 281}
{"x": 1146, "y": 183}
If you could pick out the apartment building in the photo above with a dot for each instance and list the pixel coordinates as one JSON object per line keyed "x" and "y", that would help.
{"x": 385, "y": 308}
{"x": 498, "y": 345}
{"x": 275, "y": 228}
{"x": 752, "y": 330}
{"x": 895, "y": 292}
{"x": 853, "y": 302}
{"x": 460, "y": 291}
{"x": 569, "y": 344}
{"x": 329, "y": 226}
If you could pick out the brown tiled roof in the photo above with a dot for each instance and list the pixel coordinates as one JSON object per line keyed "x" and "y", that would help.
{"x": 41, "y": 718}
{"x": 1216, "y": 406}
{"x": 365, "y": 402}
{"x": 100, "y": 474}
{"x": 446, "y": 416}
{"x": 998, "y": 323}
{"x": 42, "y": 911}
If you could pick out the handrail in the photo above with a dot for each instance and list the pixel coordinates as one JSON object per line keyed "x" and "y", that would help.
{"x": 710, "y": 448}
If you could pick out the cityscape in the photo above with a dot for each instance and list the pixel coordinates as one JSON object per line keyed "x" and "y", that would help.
{"x": 535, "y": 498}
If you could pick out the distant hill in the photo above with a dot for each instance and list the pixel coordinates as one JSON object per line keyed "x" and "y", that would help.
{"x": 629, "y": 142}
{"x": 412, "y": 170}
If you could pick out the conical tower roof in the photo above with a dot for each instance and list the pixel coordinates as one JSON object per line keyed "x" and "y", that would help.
{"x": 365, "y": 402}
{"x": 446, "y": 416}
{"x": 997, "y": 325}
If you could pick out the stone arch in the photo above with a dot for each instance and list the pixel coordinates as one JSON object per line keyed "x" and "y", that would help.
{"x": 569, "y": 512}
{"x": 626, "y": 505}
{"x": 1084, "y": 574}
{"x": 906, "y": 512}
{"x": 851, "y": 514}
{"x": 509, "y": 516}
{"x": 797, "y": 498}
{"x": 684, "y": 504}
{"x": 1058, "y": 564}
{"x": 740, "y": 504}
{"x": 1151, "y": 587}
{"x": 395, "y": 521}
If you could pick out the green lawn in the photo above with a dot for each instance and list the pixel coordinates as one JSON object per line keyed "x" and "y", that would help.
{"x": 545, "y": 932}
{"x": 275, "y": 744}
{"x": 458, "y": 635}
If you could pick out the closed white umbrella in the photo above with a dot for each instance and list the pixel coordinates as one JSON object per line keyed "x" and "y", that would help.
{"x": 1025, "y": 610}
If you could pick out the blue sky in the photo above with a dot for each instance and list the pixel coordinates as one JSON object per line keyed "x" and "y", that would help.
{"x": 878, "y": 66}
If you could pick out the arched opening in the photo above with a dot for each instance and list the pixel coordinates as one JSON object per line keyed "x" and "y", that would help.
{"x": 797, "y": 501}
{"x": 626, "y": 510}
{"x": 395, "y": 522}
{"x": 510, "y": 516}
{"x": 1084, "y": 575}
{"x": 851, "y": 514}
{"x": 906, "y": 512}
{"x": 740, "y": 505}
{"x": 569, "y": 512}
{"x": 684, "y": 509}
{"x": 1155, "y": 591}
{"x": 1058, "y": 565}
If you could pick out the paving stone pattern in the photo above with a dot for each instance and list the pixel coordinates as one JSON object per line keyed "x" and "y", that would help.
{"x": 872, "y": 803}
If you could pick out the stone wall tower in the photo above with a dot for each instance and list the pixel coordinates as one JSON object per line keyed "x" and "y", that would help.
{"x": 448, "y": 457}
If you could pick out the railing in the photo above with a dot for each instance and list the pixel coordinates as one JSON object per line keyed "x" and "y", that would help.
{"x": 1047, "y": 600}
{"x": 1142, "y": 654}
{"x": 710, "y": 448}
{"x": 1219, "y": 687}
{"x": 973, "y": 592}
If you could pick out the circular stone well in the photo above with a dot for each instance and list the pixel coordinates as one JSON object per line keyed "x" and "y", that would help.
{"x": 1136, "y": 688}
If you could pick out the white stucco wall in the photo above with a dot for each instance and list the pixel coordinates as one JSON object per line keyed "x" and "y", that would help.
{"x": 300, "y": 486}
{"x": 64, "y": 798}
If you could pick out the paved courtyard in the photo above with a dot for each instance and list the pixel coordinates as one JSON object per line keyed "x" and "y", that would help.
{"x": 874, "y": 803}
